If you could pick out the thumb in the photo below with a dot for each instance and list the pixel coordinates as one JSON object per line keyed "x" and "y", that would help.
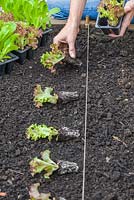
{"x": 72, "y": 51}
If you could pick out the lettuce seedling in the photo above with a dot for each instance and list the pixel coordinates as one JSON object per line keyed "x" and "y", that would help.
{"x": 112, "y": 10}
{"x": 36, "y": 132}
{"x": 37, "y": 13}
{"x": 35, "y": 195}
{"x": 28, "y": 35}
{"x": 15, "y": 7}
{"x": 50, "y": 59}
{"x": 7, "y": 39}
{"x": 34, "y": 12}
{"x": 6, "y": 17}
{"x": 44, "y": 96}
{"x": 46, "y": 164}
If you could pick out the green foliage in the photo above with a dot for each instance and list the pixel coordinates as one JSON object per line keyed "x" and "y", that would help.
{"x": 37, "y": 14}
{"x": 35, "y": 195}
{"x": 28, "y": 35}
{"x": 16, "y": 7}
{"x": 44, "y": 96}
{"x": 112, "y": 10}
{"x": 7, "y": 39}
{"x": 34, "y": 12}
{"x": 46, "y": 164}
{"x": 50, "y": 59}
{"x": 36, "y": 132}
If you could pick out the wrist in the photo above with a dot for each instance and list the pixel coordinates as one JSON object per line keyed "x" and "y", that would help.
{"x": 74, "y": 23}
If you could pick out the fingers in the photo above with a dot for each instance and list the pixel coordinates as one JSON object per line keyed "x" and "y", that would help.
{"x": 129, "y": 10}
{"x": 126, "y": 22}
{"x": 56, "y": 40}
{"x": 129, "y": 6}
{"x": 67, "y": 36}
{"x": 72, "y": 51}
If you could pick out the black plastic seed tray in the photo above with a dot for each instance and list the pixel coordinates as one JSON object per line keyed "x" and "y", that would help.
{"x": 22, "y": 54}
{"x": 102, "y": 24}
{"x": 7, "y": 66}
{"x": 27, "y": 53}
{"x": 45, "y": 36}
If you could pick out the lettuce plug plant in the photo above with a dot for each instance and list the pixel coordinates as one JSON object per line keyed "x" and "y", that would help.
{"x": 35, "y": 195}
{"x": 44, "y": 96}
{"x": 45, "y": 164}
{"x": 7, "y": 39}
{"x": 6, "y": 17}
{"x": 36, "y": 132}
{"x": 16, "y": 7}
{"x": 34, "y": 12}
{"x": 28, "y": 35}
{"x": 112, "y": 10}
{"x": 50, "y": 59}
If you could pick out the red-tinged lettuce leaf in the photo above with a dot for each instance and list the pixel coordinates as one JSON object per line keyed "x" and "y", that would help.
{"x": 44, "y": 96}
{"x": 46, "y": 164}
{"x": 112, "y": 10}
{"x": 50, "y": 59}
{"x": 35, "y": 195}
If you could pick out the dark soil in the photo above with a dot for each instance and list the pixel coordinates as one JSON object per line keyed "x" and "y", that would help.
{"x": 109, "y": 163}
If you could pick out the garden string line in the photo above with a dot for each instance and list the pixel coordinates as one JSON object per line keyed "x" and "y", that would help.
{"x": 86, "y": 112}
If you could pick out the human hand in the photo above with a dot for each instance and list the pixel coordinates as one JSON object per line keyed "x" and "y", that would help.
{"x": 129, "y": 13}
{"x": 68, "y": 35}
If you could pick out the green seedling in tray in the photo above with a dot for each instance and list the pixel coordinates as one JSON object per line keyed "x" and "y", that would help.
{"x": 6, "y": 17}
{"x": 111, "y": 10}
{"x": 34, "y": 12}
{"x": 7, "y": 39}
{"x": 45, "y": 164}
{"x": 28, "y": 35}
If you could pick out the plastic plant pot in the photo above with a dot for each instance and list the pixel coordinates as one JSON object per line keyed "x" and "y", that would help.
{"x": 30, "y": 54}
{"x": 10, "y": 63}
{"x": 2, "y": 68}
{"x": 39, "y": 42}
{"x": 102, "y": 23}
{"x": 45, "y": 37}
{"x": 22, "y": 54}
{"x": 7, "y": 66}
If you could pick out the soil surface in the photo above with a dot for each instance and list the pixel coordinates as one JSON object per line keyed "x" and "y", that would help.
{"x": 110, "y": 133}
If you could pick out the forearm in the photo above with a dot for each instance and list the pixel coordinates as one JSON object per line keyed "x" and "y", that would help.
{"x": 76, "y": 9}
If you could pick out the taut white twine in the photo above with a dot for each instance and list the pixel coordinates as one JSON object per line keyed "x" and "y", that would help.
{"x": 86, "y": 112}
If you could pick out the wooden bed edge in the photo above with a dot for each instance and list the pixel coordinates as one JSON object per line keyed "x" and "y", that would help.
{"x": 92, "y": 23}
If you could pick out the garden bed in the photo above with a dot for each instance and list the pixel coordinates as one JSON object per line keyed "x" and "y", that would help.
{"x": 109, "y": 162}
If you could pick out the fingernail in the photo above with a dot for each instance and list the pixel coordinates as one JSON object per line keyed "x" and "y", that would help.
{"x": 72, "y": 55}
